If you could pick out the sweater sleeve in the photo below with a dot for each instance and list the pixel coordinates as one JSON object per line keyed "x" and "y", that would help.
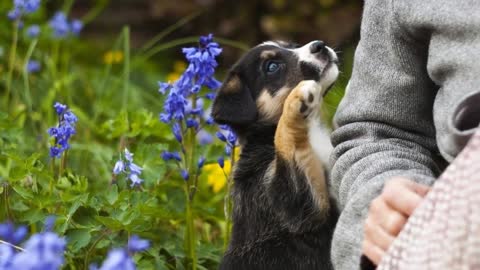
{"x": 385, "y": 125}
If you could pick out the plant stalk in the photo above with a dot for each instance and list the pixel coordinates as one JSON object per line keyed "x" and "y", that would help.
{"x": 11, "y": 64}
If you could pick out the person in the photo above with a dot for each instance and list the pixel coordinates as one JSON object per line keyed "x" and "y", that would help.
{"x": 416, "y": 62}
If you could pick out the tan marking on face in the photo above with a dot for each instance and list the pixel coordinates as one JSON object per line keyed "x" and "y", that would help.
{"x": 268, "y": 54}
{"x": 233, "y": 85}
{"x": 270, "y": 107}
{"x": 293, "y": 145}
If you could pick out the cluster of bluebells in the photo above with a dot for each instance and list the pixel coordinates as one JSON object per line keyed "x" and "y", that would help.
{"x": 62, "y": 27}
{"x": 184, "y": 105}
{"x": 64, "y": 131}
{"x": 126, "y": 166}
{"x": 23, "y": 7}
{"x": 228, "y": 136}
{"x": 41, "y": 251}
{"x": 120, "y": 258}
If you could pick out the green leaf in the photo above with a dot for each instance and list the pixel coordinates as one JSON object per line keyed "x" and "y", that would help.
{"x": 77, "y": 239}
{"x": 112, "y": 194}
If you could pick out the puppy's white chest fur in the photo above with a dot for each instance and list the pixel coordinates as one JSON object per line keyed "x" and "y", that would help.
{"x": 319, "y": 137}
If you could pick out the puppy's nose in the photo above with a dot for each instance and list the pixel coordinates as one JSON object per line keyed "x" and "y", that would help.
{"x": 317, "y": 47}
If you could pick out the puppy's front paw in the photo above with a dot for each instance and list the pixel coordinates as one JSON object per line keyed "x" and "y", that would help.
{"x": 304, "y": 100}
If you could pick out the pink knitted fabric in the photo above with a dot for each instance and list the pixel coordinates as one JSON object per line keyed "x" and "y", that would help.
{"x": 444, "y": 231}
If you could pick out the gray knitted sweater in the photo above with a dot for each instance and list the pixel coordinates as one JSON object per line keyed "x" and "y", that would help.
{"x": 416, "y": 66}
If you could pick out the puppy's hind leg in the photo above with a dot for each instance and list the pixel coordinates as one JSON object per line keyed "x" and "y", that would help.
{"x": 292, "y": 144}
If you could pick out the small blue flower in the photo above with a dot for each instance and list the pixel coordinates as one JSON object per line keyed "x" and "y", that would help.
{"x": 119, "y": 167}
{"x": 136, "y": 181}
{"x": 228, "y": 150}
{"x": 184, "y": 174}
{"x": 201, "y": 162}
{"x": 128, "y": 155}
{"x": 70, "y": 117}
{"x": 177, "y": 132}
{"x": 49, "y": 223}
{"x": 60, "y": 25}
{"x": 33, "y": 66}
{"x": 118, "y": 259}
{"x": 55, "y": 152}
{"x": 8, "y": 233}
{"x": 59, "y": 108}
{"x": 31, "y": 6}
{"x": 33, "y": 31}
{"x": 14, "y": 14}
{"x": 76, "y": 27}
{"x": 204, "y": 137}
{"x": 192, "y": 123}
{"x": 221, "y": 162}
{"x": 42, "y": 251}
{"x": 220, "y": 136}
{"x": 136, "y": 244}
{"x": 6, "y": 256}
{"x": 134, "y": 168}
{"x": 163, "y": 87}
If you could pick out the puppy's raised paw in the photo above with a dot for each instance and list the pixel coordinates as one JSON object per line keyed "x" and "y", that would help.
{"x": 303, "y": 101}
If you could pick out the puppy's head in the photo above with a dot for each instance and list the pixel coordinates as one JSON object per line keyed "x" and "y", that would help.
{"x": 258, "y": 84}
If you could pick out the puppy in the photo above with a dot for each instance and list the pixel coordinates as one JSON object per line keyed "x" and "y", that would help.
{"x": 283, "y": 216}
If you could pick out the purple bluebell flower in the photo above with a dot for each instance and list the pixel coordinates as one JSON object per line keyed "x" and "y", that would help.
{"x": 59, "y": 24}
{"x": 136, "y": 244}
{"x": 33, "y": 31}
{"x": 221, "y": 162}
{"x": 119, "y": 167}
{"x": 49, "y": 223}
{"x": 177, "y": 132}
{"x": 59, "y": 108}
{"x": 166, "y": 155}
{"x": 63, "y": 132}
{"x": 8, "y": 233}
{"x": 163, "y": 87}
{"x": 33, "y": 66}
{"x": 118, "y": 259}
{"x": 228, "y": 150}
{"x": 42, "y": 251}
{"x": 14, "y": 14}
{"x": 184, "y": 174}
{"x": 192, "y": 123}
{"x": 131, "y": 170}
{"x": 6, "y": 256}
{"x": 201, "y": 162}
{"x": 76, "y": 27}
{"x": 134, "y": 168}
{"x": 31, "y": 6}
{"x": 220, "y": 136}
{"x": 204, "y": 137}
{"x": 136, "y": 181}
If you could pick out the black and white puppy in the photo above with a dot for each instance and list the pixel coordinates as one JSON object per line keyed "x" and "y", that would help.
{"x": 283, "y": 216}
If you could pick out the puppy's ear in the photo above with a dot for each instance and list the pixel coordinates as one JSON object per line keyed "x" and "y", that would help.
{"x": 234, "y": 104}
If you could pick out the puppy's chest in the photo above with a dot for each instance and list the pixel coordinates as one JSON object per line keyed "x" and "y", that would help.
{"x": 319, "y": 138}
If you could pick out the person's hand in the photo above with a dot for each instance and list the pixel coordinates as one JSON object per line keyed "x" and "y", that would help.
{"x": 388, "y": 213}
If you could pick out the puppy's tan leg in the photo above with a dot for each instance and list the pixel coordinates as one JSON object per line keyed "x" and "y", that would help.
{"x": 292, "y": 143}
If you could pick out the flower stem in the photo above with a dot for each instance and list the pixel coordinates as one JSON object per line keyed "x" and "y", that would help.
{"x": 126, "y": 65}
{"x": 27, "y": 94}
{"x": 190, "y": 233}
{"x": 228, "y": 205}
{"x": 11, "y": 64}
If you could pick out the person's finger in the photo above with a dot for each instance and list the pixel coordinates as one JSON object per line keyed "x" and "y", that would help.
{"x": 401, "y": 196}
{"x": 389, "y": 219}
{"x": 377, "y": 235}
{"x": 373, "y": 252}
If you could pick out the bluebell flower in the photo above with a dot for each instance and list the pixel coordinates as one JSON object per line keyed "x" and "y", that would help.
{"x": 33, "y": 66}
{"x": 220, "y": 136}
{"x": 221, "y": 162}
{"x": 192, "y": 123}
{"x": 184, "y": 174}
{"x": 59, "y": 108}
{"x": 136, "y": 244}
{"x": 6, "y": 256}
{"x": 119, "y": 167}
{"x": 177, "y": 131}
{"x": 49, "y": 223}
{"x": 201, "y": 162}
{"x": 136, "y": 181}
{"x": 63, "y": 132}
{"x": 228, "y": 150}
{"x": 76, "y": 27}
{"x": 163, "y": 87}
{"x": 14, "y": 14}
{"x": 204, "y": 137}
{"x": 31, "y": 6}
{"x": 42, "y": 251}
{"x": 128, "y": 168}
{"x": 60, "y": 25}
{"x": 33, "y": 31}
{"x": 8, "y": 233}
{"x": 118, "y": 259}
{"x": 210, "y": 121}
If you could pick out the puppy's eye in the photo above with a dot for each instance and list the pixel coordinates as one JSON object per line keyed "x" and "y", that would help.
{"x": 271, "y": 67}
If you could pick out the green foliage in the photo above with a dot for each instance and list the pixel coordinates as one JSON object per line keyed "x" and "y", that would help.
{"x": 117, "y": 104}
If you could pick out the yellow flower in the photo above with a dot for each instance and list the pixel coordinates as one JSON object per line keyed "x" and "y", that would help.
{"x": 113, "y": 57}
{"x": 178, "y": 68}
{"x": 216, "y": 178}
